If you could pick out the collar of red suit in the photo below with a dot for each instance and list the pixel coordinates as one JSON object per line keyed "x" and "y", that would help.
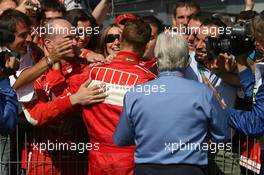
{"x": 127, "y": 57}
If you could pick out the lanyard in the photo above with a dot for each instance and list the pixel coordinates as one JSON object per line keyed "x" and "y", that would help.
{"x": 211, "y": 86}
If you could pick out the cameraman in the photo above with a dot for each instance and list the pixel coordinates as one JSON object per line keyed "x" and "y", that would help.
{"x": 250, "y": 122}
{"x": 8, "y": 109}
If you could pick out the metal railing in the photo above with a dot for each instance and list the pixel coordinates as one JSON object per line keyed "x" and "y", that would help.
{"x": 244, "y": 157}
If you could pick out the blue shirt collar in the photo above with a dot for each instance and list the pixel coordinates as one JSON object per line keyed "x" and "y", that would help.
{"x": 171, "y": 73}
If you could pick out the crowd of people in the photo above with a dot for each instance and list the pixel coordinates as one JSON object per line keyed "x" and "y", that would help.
{"x": 132, "y": 97}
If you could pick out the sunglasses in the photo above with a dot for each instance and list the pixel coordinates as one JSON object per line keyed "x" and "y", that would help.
{"x": 111, "y": 38}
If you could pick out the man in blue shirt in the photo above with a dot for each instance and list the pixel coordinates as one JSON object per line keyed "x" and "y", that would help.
{"x": 170, "y": 123}
{"x": 251, "y": 122}
{"x": 248, "y": 122}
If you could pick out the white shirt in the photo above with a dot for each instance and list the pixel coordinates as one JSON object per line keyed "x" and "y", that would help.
{"x": 25, "y": 93}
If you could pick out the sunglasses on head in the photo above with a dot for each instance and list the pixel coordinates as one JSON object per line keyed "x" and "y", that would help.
{"x": 112, "y": 37}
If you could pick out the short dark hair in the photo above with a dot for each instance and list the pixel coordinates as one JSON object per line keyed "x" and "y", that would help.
{"x": 11, "y": 17}
{"x": 136, "y": 33}
{"x": 152, "y": 20}
{"x": 213, "y": 21}
{"x": 75, "y": 15}
{"x": 201, "y": 16}
{"x": 186, "y": 3}
{"x": 51, "y": 5}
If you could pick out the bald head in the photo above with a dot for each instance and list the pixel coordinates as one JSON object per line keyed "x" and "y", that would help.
{"x": 60, "y": 34}
{"x": 56, "y": 29}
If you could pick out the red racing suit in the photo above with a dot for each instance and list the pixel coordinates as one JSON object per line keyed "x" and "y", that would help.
{"x": 151, "y": 65}
{"x": 58, "y": 127}
{"x": 101, "y": 119}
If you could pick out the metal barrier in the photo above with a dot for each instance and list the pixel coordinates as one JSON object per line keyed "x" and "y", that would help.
{"x": 18, "y": 156}
{"x": 244, "y": 158}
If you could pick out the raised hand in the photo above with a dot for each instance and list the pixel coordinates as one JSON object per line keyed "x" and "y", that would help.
{"x": 61, "y": 49}
{"x": 29, "y": 7}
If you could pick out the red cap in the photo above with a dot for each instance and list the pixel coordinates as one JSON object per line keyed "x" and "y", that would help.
{"x": 125, "y": 17}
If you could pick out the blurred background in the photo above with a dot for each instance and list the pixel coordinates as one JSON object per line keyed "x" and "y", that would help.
{"x": 163, "y": 8}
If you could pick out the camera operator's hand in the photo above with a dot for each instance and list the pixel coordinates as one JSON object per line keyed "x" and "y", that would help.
{"x": 89, "y": 95}
{"x": 225, "y": 67}
{"x": 223, "y": 64}
{"x": 26, "y": 8}
{"x": 60, "y": 50}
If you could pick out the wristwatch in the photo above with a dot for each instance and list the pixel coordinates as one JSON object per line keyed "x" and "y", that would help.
{"x": 49, "y": 61}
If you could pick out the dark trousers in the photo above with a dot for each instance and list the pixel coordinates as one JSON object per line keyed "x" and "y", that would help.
{"x": 156, "y": 169}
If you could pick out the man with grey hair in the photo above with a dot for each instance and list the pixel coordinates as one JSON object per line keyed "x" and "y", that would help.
{"x": 170, "y": 123}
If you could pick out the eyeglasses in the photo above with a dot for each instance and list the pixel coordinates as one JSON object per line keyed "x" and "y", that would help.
{"x": 111, "y": 38}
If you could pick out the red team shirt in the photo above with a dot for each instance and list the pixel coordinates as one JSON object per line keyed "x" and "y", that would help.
{"x": 101, "y": 119}
{"x": 55, "y": 121}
